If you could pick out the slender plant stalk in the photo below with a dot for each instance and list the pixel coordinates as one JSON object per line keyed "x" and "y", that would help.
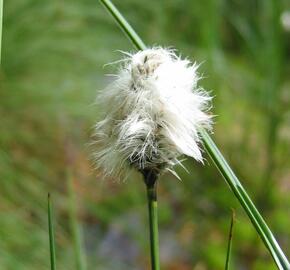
{"x": 230, "y": 240}
{"x": 238, "y": 190}
{"x": 125, "y": 26}
{"x": 150, "y": 179}
{"x": 75, "y": 229}
{"x": 153, "y": 221}
{"x": 51, "y": 234}
{"x": 212, "y": 150}
{"x": 1, "y": 23}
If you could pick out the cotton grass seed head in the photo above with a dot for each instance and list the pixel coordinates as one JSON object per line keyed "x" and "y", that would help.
{"x": 152, "y": 113}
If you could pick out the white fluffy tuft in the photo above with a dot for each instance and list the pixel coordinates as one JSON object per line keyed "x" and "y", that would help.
{"x": 153, "y": 111}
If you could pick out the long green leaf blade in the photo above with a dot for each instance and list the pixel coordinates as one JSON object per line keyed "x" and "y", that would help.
{"x": 212, "y": 150}
{"x": 51, "y": 234}
{"x": 230, "y": 240}
{"x": 125, "y": 26}
{"x": 76, "y": 230}
{"x": 244, "y": 199}
{"x": 1, "y": 23}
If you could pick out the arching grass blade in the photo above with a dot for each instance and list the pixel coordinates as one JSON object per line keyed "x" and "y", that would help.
{"x": 218, "y": 159}
{"x": 125, "y": 26}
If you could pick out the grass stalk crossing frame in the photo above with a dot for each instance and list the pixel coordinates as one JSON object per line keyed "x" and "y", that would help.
{"x": 218, "y": 159}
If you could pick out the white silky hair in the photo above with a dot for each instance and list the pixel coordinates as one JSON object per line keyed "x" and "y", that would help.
{"x": 152, "y": 112}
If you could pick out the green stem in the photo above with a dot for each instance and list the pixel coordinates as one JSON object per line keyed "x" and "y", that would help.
{"x": 1, "y": 23}
{"x": 229, "y": 249}
{"x": 151, "y": 185}
{"x": 75, "y": 228}
{"x": 237, "y": 188}
{"x": 51, "y": 234}
{"x": 125, "y": 26}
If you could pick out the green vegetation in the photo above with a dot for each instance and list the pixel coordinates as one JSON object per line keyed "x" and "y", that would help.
{"x": 1, "y": 19}
{"x": 230, "y": 240}
{"x": 224, "y": 168}
{"x": 52, "y": 63}
{"x": 51, "y": 234}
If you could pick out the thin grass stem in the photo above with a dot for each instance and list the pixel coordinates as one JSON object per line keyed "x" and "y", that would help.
{"x": 51, "y": 234}
{"x": 75, "y": 229}
{"x": 150, "y": 179}
{"x": 230, "y": 240}
{"x": 124, "y": 25}
{"x": 220, "y": 162}
{"x": 1, "y": 26}
{"x": 245, "y": 201}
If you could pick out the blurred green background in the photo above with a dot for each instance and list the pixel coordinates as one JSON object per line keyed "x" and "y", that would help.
{"x": 53, "y": 63}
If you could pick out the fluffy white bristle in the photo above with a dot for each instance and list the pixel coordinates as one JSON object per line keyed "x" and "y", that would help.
{"x": 152, "y": 113}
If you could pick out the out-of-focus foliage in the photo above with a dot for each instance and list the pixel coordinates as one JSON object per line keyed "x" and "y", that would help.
{"x": 53, "y": 62}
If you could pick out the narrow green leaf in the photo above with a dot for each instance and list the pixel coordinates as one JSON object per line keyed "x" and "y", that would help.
{"x": 51, "y": 234}
{"x": 212, "y": 150}
{"x": 1, "y": 23}
{"x": 75, "y": 229}
{"x": 230, "y": 240}
{"x": 125, "y": 26}
{"x": 242, "y": 196}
